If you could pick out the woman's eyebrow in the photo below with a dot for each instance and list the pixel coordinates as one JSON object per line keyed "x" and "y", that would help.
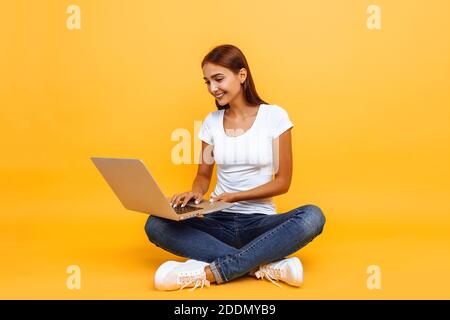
{"x": 214, "y": 75}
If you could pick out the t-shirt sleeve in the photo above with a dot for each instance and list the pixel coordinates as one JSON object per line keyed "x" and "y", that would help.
{"x": 205, "y": 132}
{"x": 280, "y": 121}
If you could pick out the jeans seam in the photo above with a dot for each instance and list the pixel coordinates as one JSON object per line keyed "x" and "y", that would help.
{"x": 236, "y": 228}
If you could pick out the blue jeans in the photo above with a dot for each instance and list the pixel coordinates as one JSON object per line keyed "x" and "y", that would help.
{"x": 234, "y": 243}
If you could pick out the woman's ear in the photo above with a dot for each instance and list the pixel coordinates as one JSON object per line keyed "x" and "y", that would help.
{"x": 242, "y": 75}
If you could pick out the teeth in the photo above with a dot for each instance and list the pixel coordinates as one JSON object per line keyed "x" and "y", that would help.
{"x": 220, "y": 95}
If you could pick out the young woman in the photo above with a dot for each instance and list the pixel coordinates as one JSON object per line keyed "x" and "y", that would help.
{"x": 250, "y": 142}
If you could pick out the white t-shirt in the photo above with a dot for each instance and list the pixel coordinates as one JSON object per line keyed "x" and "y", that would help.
{"x": 245, "y": 161}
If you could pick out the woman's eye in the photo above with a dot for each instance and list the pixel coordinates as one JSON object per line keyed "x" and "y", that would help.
{"x": 218, "y": 80}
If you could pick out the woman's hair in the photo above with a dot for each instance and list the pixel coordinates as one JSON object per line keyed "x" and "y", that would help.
{"x": 230, "y": 57}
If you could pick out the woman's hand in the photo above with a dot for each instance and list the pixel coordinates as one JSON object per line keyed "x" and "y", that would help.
{"x": 185, "y": 197}
{"x": 226, "y": 197}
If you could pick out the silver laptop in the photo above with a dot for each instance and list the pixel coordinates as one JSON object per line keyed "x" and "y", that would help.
{"x": 138, "y": 191}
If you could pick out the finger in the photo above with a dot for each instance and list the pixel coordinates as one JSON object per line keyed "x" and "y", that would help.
{"x": 198, "y": 198}
{"x": 172, "y": 199}
{"x": 186, "y": 200}
{"x": 177, "y": 200}
{"x": 180, "y": 201}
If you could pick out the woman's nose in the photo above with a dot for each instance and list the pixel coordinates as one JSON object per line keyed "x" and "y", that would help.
{"x": 213, "y": 89}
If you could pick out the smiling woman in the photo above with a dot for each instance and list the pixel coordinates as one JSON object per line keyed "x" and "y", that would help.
{"x": 226, "y": 74}
{"x": 248, "y": 237}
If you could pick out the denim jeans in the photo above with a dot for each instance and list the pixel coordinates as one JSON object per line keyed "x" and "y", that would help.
{"x": 234, "y": 243}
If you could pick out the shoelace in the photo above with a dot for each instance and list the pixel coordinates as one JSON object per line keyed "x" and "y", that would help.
{"x": 196, "y": 279}
{"x": 272, "y": 274}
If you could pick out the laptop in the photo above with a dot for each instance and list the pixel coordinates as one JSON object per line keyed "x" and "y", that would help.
{"x": 136, "y": 189}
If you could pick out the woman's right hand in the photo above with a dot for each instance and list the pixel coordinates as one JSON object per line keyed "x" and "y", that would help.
{"x": 185, "y": 197}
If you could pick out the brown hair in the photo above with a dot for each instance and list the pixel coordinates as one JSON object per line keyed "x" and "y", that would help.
{"x": 230, "y": 57}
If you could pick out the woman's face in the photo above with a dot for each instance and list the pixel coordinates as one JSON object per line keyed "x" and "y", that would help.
{"x": 222, "y": 83}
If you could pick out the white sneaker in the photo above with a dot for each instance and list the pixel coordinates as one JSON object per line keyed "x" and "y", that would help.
{"x": 173, "y": 275}
{"x": 287, "y": 270}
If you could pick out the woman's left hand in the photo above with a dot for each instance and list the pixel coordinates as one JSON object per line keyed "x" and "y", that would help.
{"x": 226, "y": 197}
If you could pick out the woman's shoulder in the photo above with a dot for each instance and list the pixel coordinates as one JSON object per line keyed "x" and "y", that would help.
{"x": 274, "y": 108}
{"x": 212, "y": 116}
{"x": 274, "y": 111}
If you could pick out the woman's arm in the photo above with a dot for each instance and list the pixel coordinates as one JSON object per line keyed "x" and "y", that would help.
{"x": 202, "y": 180}
{"x": 205, "y": 170}
{"x": 283, "y": 176}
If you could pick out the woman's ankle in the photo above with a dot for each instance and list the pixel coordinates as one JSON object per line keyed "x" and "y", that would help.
{"x": 209, "y": 274}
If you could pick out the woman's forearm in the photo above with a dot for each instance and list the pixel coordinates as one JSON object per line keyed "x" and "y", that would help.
{"x": 270, "y": 189}
{"x": 201, "y": 184}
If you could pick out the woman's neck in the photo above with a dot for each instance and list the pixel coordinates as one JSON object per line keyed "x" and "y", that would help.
{"x": 240, "y": 109}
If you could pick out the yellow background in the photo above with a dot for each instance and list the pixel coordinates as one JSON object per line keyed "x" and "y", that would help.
{"x": 371, "y": 138}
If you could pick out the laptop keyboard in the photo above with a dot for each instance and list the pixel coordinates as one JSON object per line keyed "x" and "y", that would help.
{"x": 186, "y": 208}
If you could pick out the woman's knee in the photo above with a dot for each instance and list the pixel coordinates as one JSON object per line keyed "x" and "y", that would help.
{"x": 314, "y": 216}
{"x": 152, "y": 227}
